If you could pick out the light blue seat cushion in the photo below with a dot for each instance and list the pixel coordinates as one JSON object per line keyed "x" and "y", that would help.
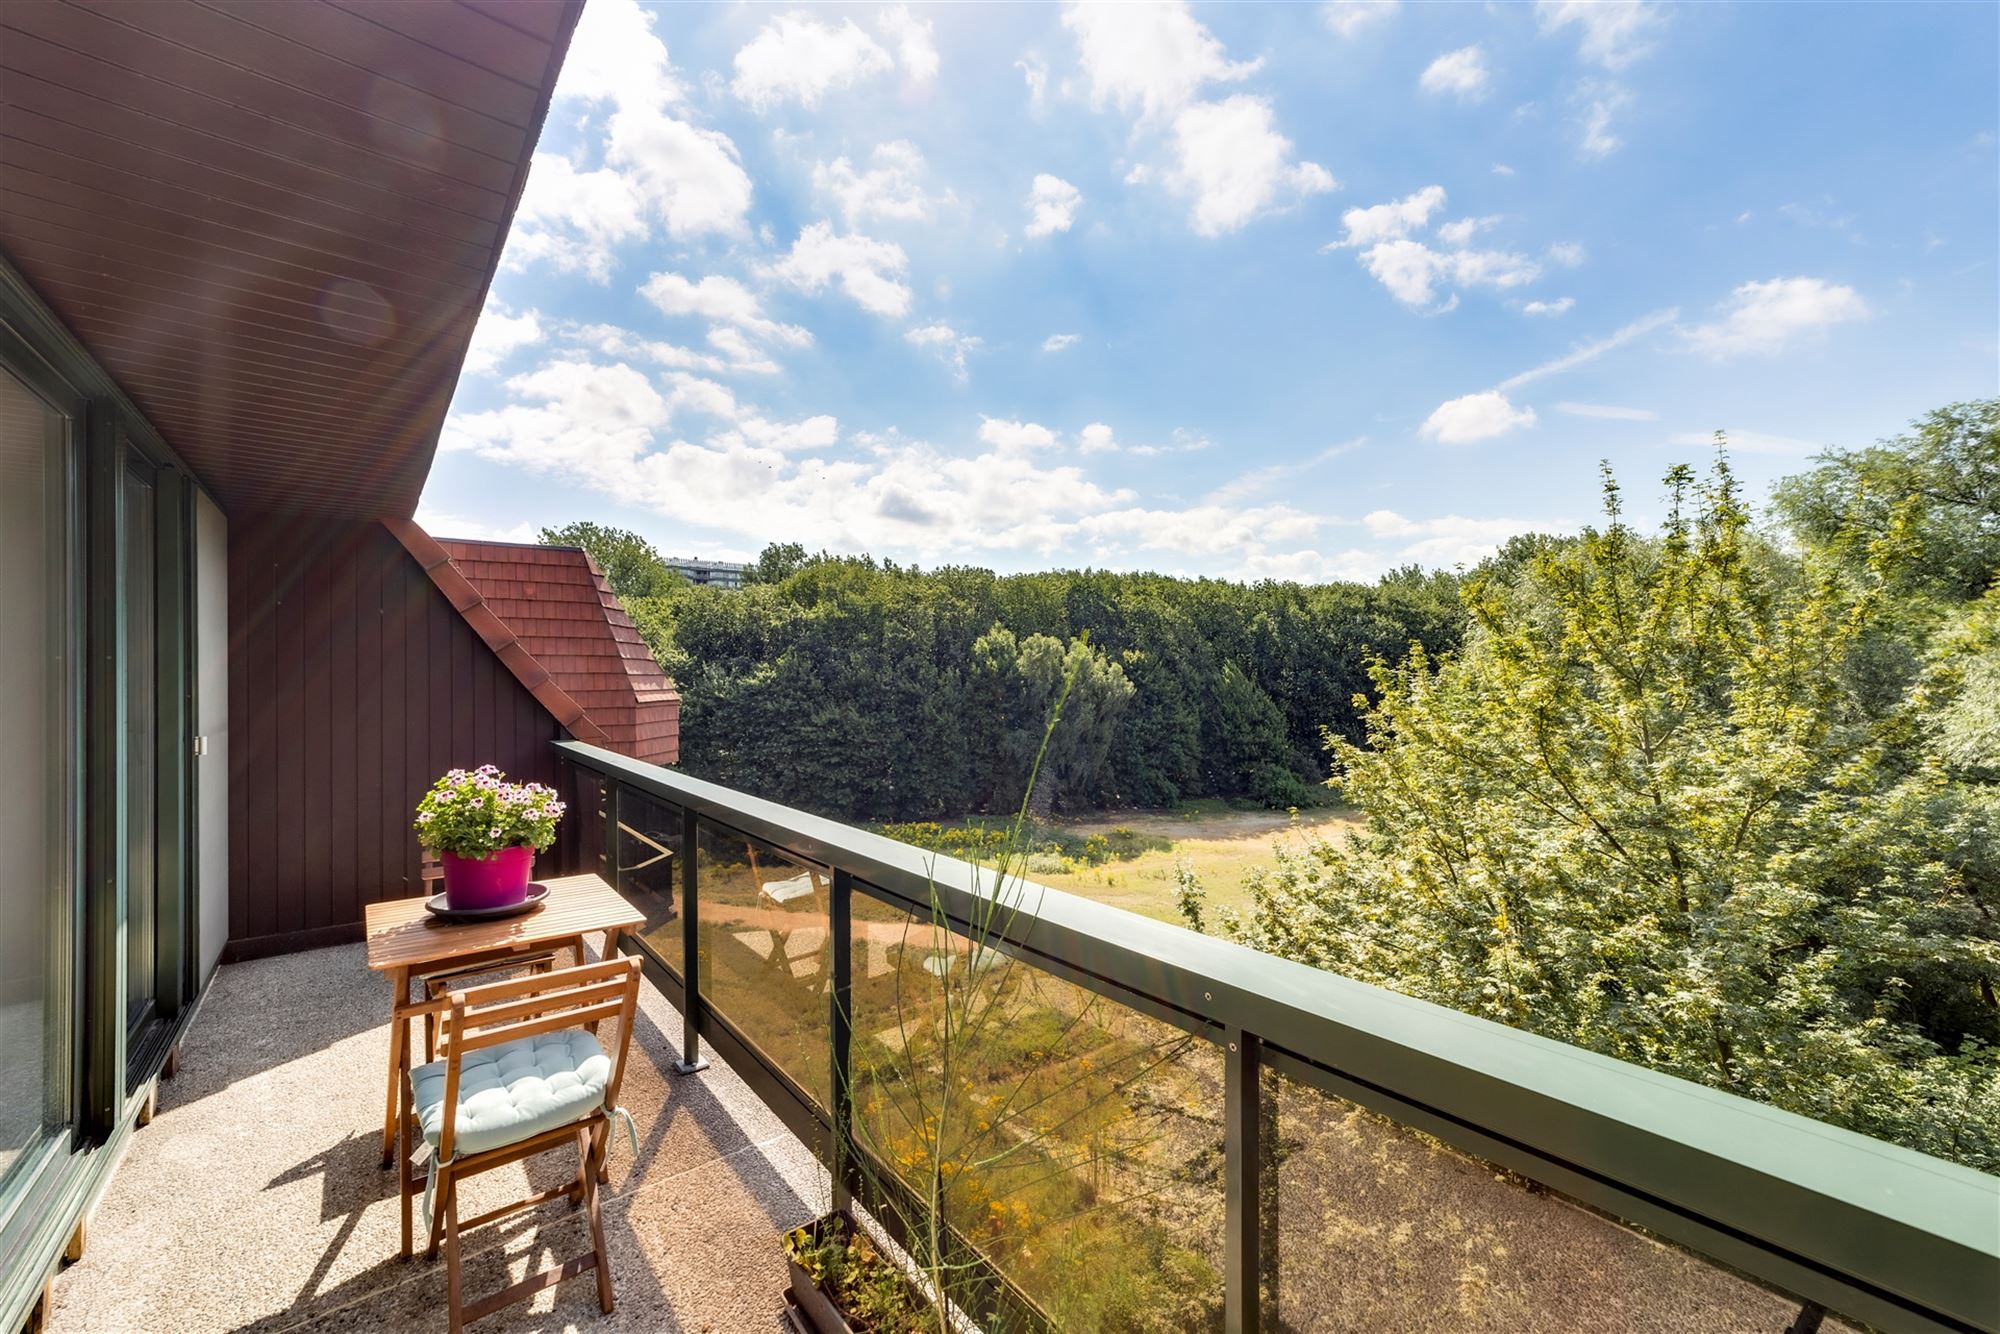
{"x": 517, "y": 1089}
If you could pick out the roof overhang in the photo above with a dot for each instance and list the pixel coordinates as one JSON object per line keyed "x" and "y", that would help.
{"x": 274, "y": 225}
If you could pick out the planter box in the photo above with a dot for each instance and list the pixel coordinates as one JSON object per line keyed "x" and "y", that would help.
{"x": 813, "y": 1306}
{"x": 812, "y": 1309}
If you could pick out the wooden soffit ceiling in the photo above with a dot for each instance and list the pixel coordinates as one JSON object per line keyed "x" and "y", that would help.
{"x": 274, "y": 224}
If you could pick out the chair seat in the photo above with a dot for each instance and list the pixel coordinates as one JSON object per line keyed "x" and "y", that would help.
{"x": 515, "y": 1090}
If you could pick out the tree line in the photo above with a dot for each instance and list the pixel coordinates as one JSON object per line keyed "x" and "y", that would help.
{"x": 868, "y": 690}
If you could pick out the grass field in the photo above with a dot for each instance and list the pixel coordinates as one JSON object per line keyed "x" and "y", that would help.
{"x": 1221, "y": 842}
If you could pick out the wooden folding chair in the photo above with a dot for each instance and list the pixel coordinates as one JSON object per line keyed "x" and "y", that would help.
{"x": 520, "y": 1075}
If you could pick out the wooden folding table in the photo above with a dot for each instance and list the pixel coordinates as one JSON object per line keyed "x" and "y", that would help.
{"x": 404, "y": 939}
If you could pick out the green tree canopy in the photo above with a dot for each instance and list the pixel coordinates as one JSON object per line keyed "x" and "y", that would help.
{"x": 1645, "y": 810}
{"x": 1013, "y": 686}
{"x": 628, "y": 560}
{"x": 1936, "y": 488}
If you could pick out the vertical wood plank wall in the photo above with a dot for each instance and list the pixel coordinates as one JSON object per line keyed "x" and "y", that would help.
{"x": 352, "y": 685}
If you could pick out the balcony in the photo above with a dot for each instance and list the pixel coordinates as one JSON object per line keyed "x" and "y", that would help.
{"x": 254, "y": 1200}
{"x": 1234, "y": 1142}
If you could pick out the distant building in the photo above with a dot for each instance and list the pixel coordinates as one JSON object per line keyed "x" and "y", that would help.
{"x": 719, "y": 573}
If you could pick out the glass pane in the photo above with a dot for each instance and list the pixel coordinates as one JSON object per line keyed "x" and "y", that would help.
{"x": 765, "y": 960}
{"x": 650, "y": 853}
{"x": 35, "y": 893}
{"x": 141, "y": 685}
{"x": 1078, "y": 1143}
{"x": 1371, "y": 1225}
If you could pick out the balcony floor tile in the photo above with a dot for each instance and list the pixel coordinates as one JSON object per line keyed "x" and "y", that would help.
{"x": 253, "y": 1202}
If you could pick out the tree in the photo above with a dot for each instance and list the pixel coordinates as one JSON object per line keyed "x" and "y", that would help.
{"x": 776, "y": 563}
{"x": 633, "y": 567}
{"x": 1645, "y": 811}
{"x": 1940, "y": 481}
{"x": 1014, "y": 685}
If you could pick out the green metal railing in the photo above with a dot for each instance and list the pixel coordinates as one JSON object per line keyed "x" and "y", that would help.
{"x": 1837, "y": 1222}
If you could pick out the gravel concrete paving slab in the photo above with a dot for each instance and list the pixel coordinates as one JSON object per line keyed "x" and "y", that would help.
{"x": 254, "y": 1201}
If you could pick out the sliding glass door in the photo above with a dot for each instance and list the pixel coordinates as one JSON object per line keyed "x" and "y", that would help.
{"x": 140, "y": 632}
{"x": 38, "y": 898}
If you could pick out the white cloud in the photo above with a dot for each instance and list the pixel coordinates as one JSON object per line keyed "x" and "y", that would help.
{"x": 1502, "y": 169}
{"x": 1614, "y": 33}
{"x": 797, "y": 58}
{"x": 1460, "y": 233}
{"x": 1152, "y": 59}
{"x": 499, "y": 335}
{"x": 1768, "y": 317}
{"x": 1461, "y": 73}
{"x": 693, "y": 393}
{"x": 1447, "y": 541}
{"x": 1183, "y": 441}
{"x": 1227, "y": 156}
{"x": 1607, "y": 412}
{"x": 1588, "y": 352}
{"x": 1235, "y": 165}
{"x": 574, "y": 219}
{"x": 1256, "y": 481}
{"x": 892, "y": 188}
{"x": 614, "y": 53}
{"x": 1052, "y": 205}
{"x": 1413, "y": 271}
{"x": 1014, "y": 437}
{"x": 1035, "y": 73}
{"x": 692, "y": 178}
{"x": 1407, "y": 268}
{"x": 720, "y": 299}
{"x": 915, "y": 47}
{"x": 1348, "y": 17}
{"x": 655, "y": 170}
{"x": 1474, "y": 417}
{"x": 1569, "y": 254}
{"x": 440, "y": 523}
{"x": 866, "y": 270}
{"x": 575, "y": 417}
{"x": 739, "y": 353}
{"x": 734, "y": 354}
{"x": 1749, "y": 442}
{"x": 1005, "y": 494}
{"x": 1097, "y": 438}
{"x": 1387, "y": 222}
{"x": 1560, "y": 306}
{"x": 819, "y": 432}
{"x": 1598, "y": 103}
{"x": 947, "y": 342}
{"x": 1059, "y": 342}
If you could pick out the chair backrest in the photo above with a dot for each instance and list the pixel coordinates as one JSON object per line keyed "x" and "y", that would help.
{"x": 429, "y": 867}
{"x": 487, "y": 1016}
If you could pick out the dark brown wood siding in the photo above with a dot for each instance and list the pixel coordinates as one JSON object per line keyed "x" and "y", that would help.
{"x": 274, "y": 221}
{"x": 356, "y": 684}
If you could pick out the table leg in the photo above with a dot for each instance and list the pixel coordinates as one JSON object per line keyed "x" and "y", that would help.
{"x": 406, "y": 1183}
{"x": 399, "y": 1058}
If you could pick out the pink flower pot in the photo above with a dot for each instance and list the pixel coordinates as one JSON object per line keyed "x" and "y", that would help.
{"x": 497, "y": 880}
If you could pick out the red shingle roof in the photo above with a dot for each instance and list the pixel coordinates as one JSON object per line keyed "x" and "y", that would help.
{"x": 560, "y": 607}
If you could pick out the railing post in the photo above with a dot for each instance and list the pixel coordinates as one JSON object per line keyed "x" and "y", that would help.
{"x": 840, "y": 1029}
{"x": 691, "y": 1057}
{"x": 614, "y": 825}
{"x": 1242, "y": 1222}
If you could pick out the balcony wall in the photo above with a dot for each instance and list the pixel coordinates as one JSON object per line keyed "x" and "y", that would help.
{"x": 353, "y": 684}
{"x": 1137, "y": 1127}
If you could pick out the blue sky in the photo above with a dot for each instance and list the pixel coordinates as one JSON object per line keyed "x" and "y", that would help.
{"x": 1255, "y": 291}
